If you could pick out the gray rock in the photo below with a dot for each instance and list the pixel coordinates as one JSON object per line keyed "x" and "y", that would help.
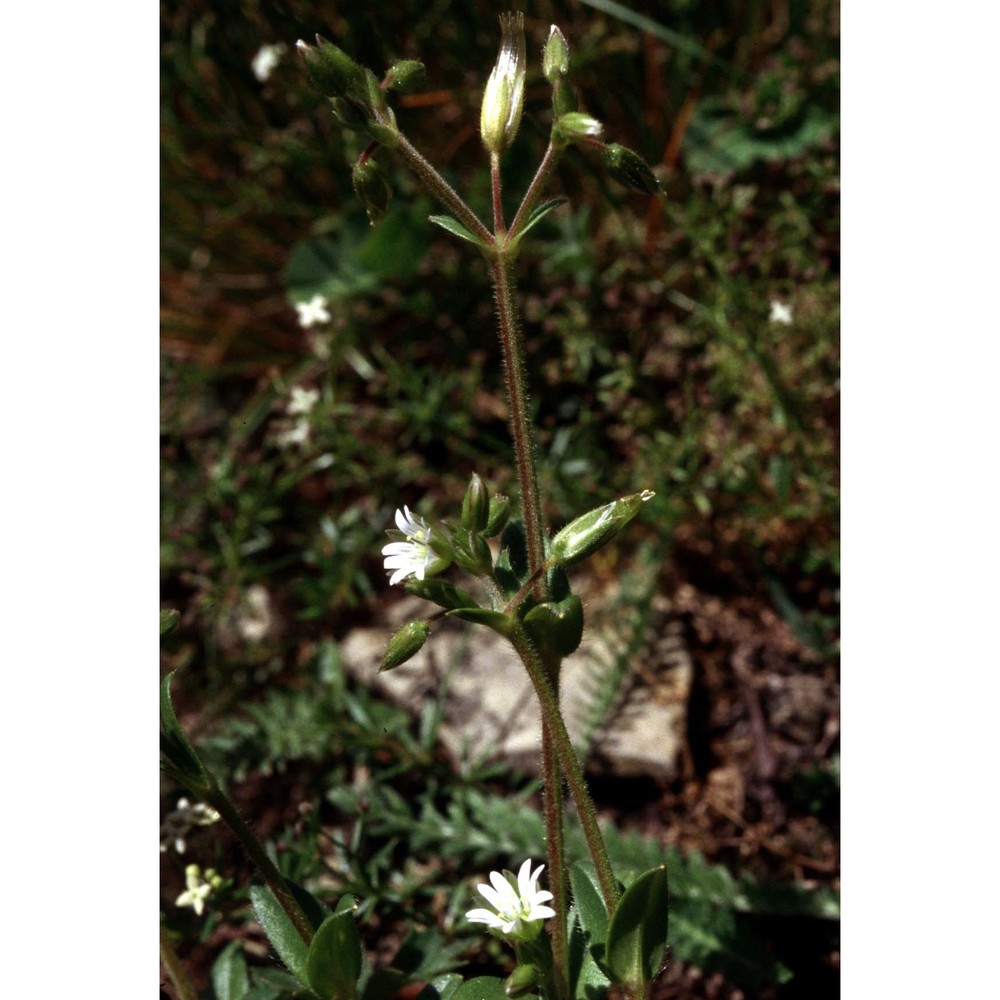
{"x": 624, "y": 696}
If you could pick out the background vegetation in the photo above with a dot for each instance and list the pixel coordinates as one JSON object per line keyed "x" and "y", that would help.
{"x": 655, "y": 363}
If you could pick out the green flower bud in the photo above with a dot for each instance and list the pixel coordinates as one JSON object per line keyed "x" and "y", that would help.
{"x": 332, "y": 71}
{"x": 406, "y": 76}
{"x": 503, "y": 99}
{"x": 522, "y": 981}
{"x": 629, "y": 168}
{"x": 499, "y": 515}
{"x": 555, "y": 59}
{"x": 406, "y": 643}
{"x": 585, "y": 535}
{"x": 476, "y": 505}
{"x": 372, "y": 189}
{"x": 575, "y": 126}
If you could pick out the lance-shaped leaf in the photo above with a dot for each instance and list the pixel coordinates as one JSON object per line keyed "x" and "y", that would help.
{"x": 333, "y": 963}
{"x": 456, "y": 228}
{"x": 536, "y": 216}
{"x": 181, "y": 761}
{"x": 280, "y": 931}
{"x": 481, "y": 988}
{"x": 556, "y": 627}
{"x": 637, "y": 934}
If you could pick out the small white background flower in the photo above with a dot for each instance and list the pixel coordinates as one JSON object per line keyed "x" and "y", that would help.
{"x": 314, "y": 311}
{"x": 515, "y": 908}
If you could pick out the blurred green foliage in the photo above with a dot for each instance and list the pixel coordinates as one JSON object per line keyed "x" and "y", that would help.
{"x": 653, "y": 359}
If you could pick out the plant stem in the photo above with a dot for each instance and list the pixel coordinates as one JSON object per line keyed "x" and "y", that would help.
{"x": 443, "y": 190}
{"x": 499, "y": 226}
{"x": 555, "y": 845}
{"x": 534, "y": 189}
{"x": 520, "y": 425}
{"x": 569, "y": 763}
{"x": 265, "y": 866}
{"x": 175, "y": 968}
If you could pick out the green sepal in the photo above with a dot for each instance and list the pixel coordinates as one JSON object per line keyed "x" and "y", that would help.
{"x": 280, "y": 931}
{"x": 637, "y": 933}
{"x": 442, "y": 593}
{"x": 405, "y": 644}
{"x": 333, "y": 962}
{"x": 476, "y": 505}
{"x": 406, "y": 76}
{"x": 511, "y": 569}
{"x": 499, "y": 515}
{"x": 387, "y": 135}
{"x": 522, "y": 981}
{"x": 536, "y": 216}
{"x": 556, "y": 628}
{"x": 584, "y": 535}
{"x": 629, "y": 169}
{"x": 181, "y": 761}
{"x": 456, "y": 228}
{"x": 495, "y": 620}
{"x": 332, "y": 70}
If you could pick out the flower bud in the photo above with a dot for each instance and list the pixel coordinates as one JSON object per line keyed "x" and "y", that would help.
{"x": 499, "y": 514}
{"x": 333, "y": 71}
{"x": 372, "y": 189}
{"x": 585, "y": 535}
{"x": 555, "y": 59}
{"x": 405, "y": 644}
{"x": 522, "y": 981}
{"x": 406, "y": 76}
{"x": 503, "y": 99}
{"x": 629, "y": 168}
{"x": 476, "y": 505}
{"x": 575, "y": 126}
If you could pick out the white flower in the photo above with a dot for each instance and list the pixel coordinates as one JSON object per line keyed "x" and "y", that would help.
{"x": 517, "y": 908}
{"x": 177, "y": 824}
{"x": 297, "y": 433}
{"x": 198, "y": 890}
{"x": 314, "y": 311}
{"x": 302, "y": 401}
{"x": 413, "y": 556}
{"x": 254, "y": 620}
{"x": 268, "y": 56}
{"x": 781, "y": 312}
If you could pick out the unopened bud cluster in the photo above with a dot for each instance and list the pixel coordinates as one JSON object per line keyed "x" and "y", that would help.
{"x": 503, "y": 99}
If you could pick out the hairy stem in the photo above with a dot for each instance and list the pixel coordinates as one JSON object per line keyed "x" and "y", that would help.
{"x": 569, "y": 763}
{"x": 520, "y": 424}
{"x": 534, "y": 191}
{"x": 555, "y": 844}
{"x": 265, "y": 866}
{"x": 445, "y": 193}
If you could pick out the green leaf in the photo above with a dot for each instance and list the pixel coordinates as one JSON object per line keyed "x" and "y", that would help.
{"x": 441, "y": 988}
{"x": 229, "y": 973}
{"x": 280, "y": 931}
{"x": 481, "y": 988}
{"x": 536, "y": 216}
{"x": 169, "y": 619}
{"x": 637, "y": 934}
{"x": 333, "y": 963}
{"x": 182, "y": 762}
{"x": 456, "y": 228}
{"x": 589, "y": 903}
{"x": 556, "y": 628}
